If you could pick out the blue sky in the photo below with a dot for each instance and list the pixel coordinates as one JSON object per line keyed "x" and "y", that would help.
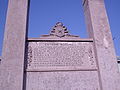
{"x": 45, "y": 13}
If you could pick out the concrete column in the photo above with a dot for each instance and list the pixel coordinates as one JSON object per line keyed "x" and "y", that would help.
{"x": 99, "y": 30}
{"x": 12, "y": 64}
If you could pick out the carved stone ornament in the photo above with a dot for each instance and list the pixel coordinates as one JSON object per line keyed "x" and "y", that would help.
{"x": 59, "y": 30}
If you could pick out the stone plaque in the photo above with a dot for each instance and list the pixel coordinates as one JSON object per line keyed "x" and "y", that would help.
{"x": 60, "y": 56}
{"x": 77, "y": 80}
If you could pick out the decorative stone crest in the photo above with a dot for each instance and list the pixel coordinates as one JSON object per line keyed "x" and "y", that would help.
{"x": 59, "y": 30}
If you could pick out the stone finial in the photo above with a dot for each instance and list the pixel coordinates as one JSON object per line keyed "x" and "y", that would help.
{"x": 59, "y": 30}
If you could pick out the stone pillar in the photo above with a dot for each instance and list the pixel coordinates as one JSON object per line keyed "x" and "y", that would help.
{"x": 99, "y": 30}
{"x": 12, "y": 64}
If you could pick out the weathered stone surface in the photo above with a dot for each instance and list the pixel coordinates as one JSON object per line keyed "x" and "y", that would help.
{"x": 99, "y": 30}
{"x": 77, "y": 80}
{"x": 12, "y": 64}
{"x": 44, "y": 56}
{"x": 119, "y": 66}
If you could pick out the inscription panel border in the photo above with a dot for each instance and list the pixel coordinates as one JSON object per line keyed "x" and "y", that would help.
{"x": 60, "y": 68}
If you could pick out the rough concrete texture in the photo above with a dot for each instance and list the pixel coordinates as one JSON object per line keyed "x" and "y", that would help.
{"x": 69, "y": 80}
{"x": 99, "y": 30}
{"x": 12, "y": 64}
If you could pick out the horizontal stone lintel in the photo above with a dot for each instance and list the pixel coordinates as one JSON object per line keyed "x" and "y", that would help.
{"x": 59, "y": 39}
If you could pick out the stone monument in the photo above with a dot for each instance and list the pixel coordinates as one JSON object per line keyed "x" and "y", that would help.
{"x": 58, "y": 61}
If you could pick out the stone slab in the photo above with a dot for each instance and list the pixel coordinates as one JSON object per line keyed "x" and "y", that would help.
{"x": 77, "y": 80}
{"x": 60, "y": 39}
{"x": 45, "y": 56}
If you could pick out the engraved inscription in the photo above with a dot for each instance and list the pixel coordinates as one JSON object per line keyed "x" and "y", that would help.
{"x": 60, "y": 54}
